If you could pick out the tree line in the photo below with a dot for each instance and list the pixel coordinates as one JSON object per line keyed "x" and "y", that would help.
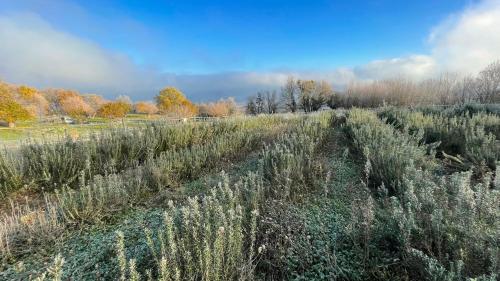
{"x": 445, "y": 89}
{"x": 296, "y": 94}
{"x": 20, "y": 103}
{"x": 24, "y": 102}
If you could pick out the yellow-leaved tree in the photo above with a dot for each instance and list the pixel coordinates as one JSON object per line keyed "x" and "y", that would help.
{"x": 10, "y": 110}
{"x": 27, "y": 92}
{"x": 172, "y": 102}
{"x": 145, "y": 107}
{"x": 114, "y": 109}
{"x": 32, "y": 100}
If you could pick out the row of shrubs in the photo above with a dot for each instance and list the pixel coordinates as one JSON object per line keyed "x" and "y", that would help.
{"x": 434, "y": 227}
{"x": 217, "y": 234}
{"x": 97, "y": 198}
{"x": 102, "y": 196}
{"x": 447, "y": 225}
{"x": 49, "y": 165}
{"x": 462, "y": 109}
{"x": 472, "y": 139}
{"x": 387, "y": 151}
{"x": 214, "y": 236}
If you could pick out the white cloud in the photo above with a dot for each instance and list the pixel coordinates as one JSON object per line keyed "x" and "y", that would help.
{"x": 466, "y": 42}
{"x": 416, "y": 66}
{"x": 34, "y": 52}
{"x": 470, "y": 40}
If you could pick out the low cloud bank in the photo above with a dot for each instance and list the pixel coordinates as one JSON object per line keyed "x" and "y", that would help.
{"x": 34, "y": 52}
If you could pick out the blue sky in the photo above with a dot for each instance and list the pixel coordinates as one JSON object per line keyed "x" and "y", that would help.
{"x": 208, "y": 47}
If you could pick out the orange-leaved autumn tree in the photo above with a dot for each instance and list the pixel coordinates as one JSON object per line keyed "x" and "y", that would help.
{"x": 172, "y": 102}
{"x": 32, "y": 100}
{"x": 221, "y": 108}
{"x": 145, "y": 107}
{"x": 10, "y": 110}
{"x": 114, "y": 109}
{"x": 75, "y": 107}
{"x": 94, "y": 101}
{"x": 71, "y": 103}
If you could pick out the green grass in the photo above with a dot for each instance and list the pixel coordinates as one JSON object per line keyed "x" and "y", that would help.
{"x": 11, "y": 137}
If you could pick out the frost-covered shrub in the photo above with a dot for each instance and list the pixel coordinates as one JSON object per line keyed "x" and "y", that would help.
{"x": 450, "y": 220}
{"x": 208, "y": 238}
{"x": 387, "y": 151}
{"x": 26, "y": 225}
{"x": 51, "y": 164}
{"x": 475, "y": 138}
{"x": 10, "y": 176}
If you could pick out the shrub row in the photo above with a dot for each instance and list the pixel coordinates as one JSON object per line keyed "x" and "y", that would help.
{"x": 213, "y": 237}
{"x": 102, "y": 196}
{"x": 475, "y": 138}
{"x": 387, "y": 151}
{"x": 49, "y": 165}
{"x": 439, "y": 227}
{"x": 446, "y": 227}
{"x": 463, "y": 109}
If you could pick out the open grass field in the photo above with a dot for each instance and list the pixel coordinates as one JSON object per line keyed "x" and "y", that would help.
{"x": 34, "y": 129}
{"x": 385, "y": 194}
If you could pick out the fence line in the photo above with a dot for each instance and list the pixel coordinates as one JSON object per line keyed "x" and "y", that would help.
{"x": 139, "y": 121}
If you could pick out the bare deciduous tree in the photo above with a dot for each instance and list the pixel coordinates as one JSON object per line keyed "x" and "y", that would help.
{"x": 251, "y": 108}
{"x": 322, "y": 93}
{"x": 464, "y": 91}
{"x": 488, "y": 84}
{"x": 306, "y": 92}
{"x": 259, "y": 103}
{"x": 271, "y": 102}
{"x": 289, "y": 95}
